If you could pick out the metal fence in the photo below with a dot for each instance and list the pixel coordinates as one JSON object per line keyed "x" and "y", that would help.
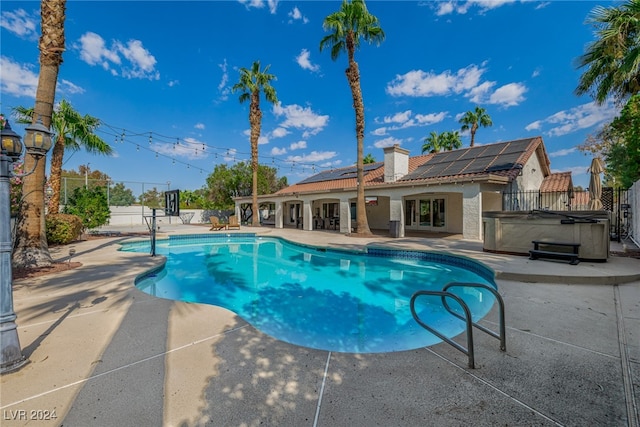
{"x": 616, "y": 201}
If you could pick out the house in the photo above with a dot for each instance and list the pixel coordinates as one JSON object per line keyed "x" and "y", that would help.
{"x": 439, "y": 192}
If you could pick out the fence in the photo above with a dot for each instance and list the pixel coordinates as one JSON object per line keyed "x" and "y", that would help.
{"x": 618, "y": 202}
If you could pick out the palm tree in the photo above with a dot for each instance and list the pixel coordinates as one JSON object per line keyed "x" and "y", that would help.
{"x": 72, "y": 131}
{"x": 432, "y": 143}
{"x": 31, "y": 248}
{"x": 251, "y": 83}
{"x": 474, "y": 119}
{"x": 451, "y": 140}
{"x": 445, "y": 141}
{"x": 348, "y": 25}
{"x": 368, "y": 159}
{"x": 613, "y": 60}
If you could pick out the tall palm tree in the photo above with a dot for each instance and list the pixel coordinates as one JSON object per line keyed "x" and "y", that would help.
{"x": 72, "y": 131}
{"x": 445, "y": 141}
{"x": 613, "y": 60}
{"x": 474, "y": 119}
{"x": 31, "y": 249}
{"x": 347, "y": 26}
{"x": 252, "y": 83}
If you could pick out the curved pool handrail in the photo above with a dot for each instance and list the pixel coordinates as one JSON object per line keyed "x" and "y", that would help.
{"x": 469, "y": 350}
{"x": 502, "y": 335}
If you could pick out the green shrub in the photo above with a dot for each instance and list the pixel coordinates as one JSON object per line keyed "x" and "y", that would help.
{"x": 90, "y": 205}
{"x": 63, "y": 228}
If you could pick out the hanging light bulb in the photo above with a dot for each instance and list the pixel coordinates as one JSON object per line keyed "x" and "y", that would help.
{"x": 150, "y": 139}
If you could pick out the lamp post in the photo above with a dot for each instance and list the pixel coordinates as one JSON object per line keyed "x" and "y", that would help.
{"x": 37, "y": 141}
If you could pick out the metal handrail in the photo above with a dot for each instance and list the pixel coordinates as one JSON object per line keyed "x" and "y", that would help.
{"x": 502, "y": 335}
{"x": 467, "y": 318}
{"x": 469, "y": 350}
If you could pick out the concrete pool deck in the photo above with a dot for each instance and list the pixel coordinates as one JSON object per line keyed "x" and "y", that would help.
{"x": 103, "y": 353}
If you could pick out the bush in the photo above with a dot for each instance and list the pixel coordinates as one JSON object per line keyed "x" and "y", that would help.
{"x": 63, "y": 228}
{"x": 90, "y": 205}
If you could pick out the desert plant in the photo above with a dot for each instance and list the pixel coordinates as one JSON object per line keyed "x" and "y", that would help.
{"x": 63, "y": 228}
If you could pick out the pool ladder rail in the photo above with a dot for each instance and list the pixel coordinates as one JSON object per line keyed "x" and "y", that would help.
{"x": 444, "y": 294}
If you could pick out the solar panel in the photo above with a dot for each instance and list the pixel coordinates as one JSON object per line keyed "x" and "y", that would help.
{"x": 342, "y": 173}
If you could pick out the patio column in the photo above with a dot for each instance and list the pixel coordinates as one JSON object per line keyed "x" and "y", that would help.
{"x": 279, "y": 215}
{"x": 396, "y": 211}
{"x": 472, "y": 212}
{"x": 307, "y": 216}
{"x": 345, "y": 216}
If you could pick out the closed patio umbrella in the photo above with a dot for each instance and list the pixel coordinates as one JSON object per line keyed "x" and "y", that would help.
{"x": 595, "y": 186}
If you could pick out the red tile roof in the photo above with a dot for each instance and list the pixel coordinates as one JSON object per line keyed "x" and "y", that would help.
{"x": 560, "y": 181}
{"x": 500, "y": 162}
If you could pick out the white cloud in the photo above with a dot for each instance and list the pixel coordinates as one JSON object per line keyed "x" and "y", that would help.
{"x": 173, "y": 83}
{"x": 300, "y": 145}
{"x": 398, "y": 117}
{"x": 17, "y": 79}
{"x": 199, "y": 126}
{"x": 380, "y": 131}
{"x": 462, "y": 7}
{"x": 387, "y": 142}
{"x": 304, "y": 62}
{"x": 564, "y": 152}
{"x": 279, "y": 132}
{"x": 301, "y": 118}
{"x": 275, "y": 151}
{"x": 533, "y": 126}
{"x": 581, "y": 117}
{"x": 313, "y": 157}
{"x": 139, "y": 62}
{"x": 188, "y": 148}
{"x": 259, "y": 4}
{"x": 223, "y": 88}
{"x": 20, "y": 23}
{"x": 418, "y": 83}
{"x": 296, "y": 15}
{"x": 429, "y": 119}
{"x": 508, "y": 95}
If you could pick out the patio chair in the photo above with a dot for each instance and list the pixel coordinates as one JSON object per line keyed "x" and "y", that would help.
{"x": 215, "y": 224}
{"x": 233, "y": 222}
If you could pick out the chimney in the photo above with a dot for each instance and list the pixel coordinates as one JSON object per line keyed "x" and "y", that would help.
{"x": 396, "y": 163}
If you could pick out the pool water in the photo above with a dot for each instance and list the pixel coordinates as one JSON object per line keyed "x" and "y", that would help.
{"x": 317, "y": 297}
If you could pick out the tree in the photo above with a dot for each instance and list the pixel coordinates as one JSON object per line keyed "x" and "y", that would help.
{"x": 474, "y": 119}
{"x": 252, "y": 83}
{"x": 225, "y": 183}
{"x": 347, "y": 26}
{"x": 368, "y": 159}
{"x": 119, "y": 195}
{"x": 624, "y": 157}
{"x": 612, "y": 61}
{"x": 447, "y": 141}
{"x": 451, "y": 140}
{"x": 152, "y": 198}
{"x": 31, "y": 249}
{"x": 73, "y": 132}
{"x": 90, "y": 204}
{"x": 618, "y": 143}
{"x": 432, "y": 143}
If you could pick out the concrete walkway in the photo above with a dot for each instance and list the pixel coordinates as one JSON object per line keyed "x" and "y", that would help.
{"x": 103, "y": 353}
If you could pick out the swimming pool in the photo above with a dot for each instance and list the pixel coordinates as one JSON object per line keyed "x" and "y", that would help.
{"x": 317, "y": 297}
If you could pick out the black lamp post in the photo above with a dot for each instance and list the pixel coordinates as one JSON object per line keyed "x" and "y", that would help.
{"x": 37, "y": 141}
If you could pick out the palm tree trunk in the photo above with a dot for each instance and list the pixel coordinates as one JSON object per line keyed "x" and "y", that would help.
{"x": 56, "y": 175}
{"x": 31, "y": 249}
{"x": 474, "y": 128}
{"x": 353, "y": 76}
{"x": 255, "y": 118}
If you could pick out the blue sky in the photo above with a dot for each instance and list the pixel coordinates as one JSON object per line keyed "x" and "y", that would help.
{"x": 159, "y": 76}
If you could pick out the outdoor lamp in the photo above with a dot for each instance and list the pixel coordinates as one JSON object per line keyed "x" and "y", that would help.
{"x": 37, "y": 139}
{"x": 11, "y": 145}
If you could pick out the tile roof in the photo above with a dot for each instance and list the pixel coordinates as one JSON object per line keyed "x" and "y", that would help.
{"x": 560, "y": 181}
{"x": 502, "y": 160}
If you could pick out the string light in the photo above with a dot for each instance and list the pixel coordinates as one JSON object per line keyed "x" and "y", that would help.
{"x": 225, "y": 153}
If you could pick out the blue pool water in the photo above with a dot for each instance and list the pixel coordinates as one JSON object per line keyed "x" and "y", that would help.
{"x": 317, "y": 297}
